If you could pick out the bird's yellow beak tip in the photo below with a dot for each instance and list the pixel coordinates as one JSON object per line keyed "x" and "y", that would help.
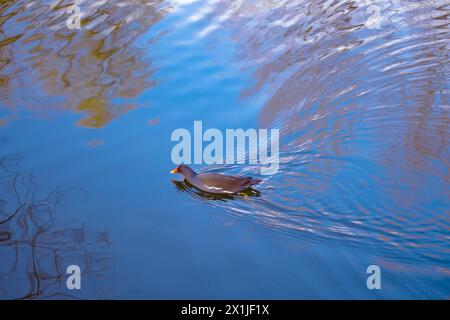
{"x": 174, "y": 170}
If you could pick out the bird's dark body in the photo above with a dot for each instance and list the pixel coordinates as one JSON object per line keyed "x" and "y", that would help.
{"x": 217, "y": 183}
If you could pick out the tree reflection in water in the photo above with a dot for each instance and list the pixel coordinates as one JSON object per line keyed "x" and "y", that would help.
{"x": 97, "y": 71}
{"x": 36, "y": 247}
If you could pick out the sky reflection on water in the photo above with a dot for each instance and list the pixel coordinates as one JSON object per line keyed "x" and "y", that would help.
{"x": 364, "y": 124}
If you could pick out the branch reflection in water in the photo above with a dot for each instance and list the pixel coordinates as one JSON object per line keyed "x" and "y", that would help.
{"x": 97, "y": 71}
{"x": 36, "y": 247}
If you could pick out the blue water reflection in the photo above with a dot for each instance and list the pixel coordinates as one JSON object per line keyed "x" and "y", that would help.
{"x": 364, "y": 149}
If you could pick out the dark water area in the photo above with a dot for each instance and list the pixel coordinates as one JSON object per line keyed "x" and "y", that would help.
{"x": 86, "y": 118}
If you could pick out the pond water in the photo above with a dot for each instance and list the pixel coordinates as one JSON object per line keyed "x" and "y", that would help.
{"x": 358, "y": 89}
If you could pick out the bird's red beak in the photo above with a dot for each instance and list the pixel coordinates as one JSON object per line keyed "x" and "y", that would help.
{"x": 176, "y": 170}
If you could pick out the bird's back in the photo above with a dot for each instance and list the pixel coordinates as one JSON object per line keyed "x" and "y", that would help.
{"x": 220, "y": 183}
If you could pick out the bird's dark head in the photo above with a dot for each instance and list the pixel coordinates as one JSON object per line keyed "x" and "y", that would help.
{"x": 184, "y": 170}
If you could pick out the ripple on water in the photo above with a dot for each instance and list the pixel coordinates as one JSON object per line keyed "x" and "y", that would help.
{"x": 363, "y": 113}
{"x": 363, "y": 133}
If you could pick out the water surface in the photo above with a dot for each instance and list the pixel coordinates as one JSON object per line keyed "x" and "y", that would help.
{"x": 86, "y": 118}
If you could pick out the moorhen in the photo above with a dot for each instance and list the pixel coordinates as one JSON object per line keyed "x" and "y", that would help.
{"x": 215, "y": 182}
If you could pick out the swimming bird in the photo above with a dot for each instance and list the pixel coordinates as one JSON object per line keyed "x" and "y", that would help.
{"x": 215, "y": 182}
